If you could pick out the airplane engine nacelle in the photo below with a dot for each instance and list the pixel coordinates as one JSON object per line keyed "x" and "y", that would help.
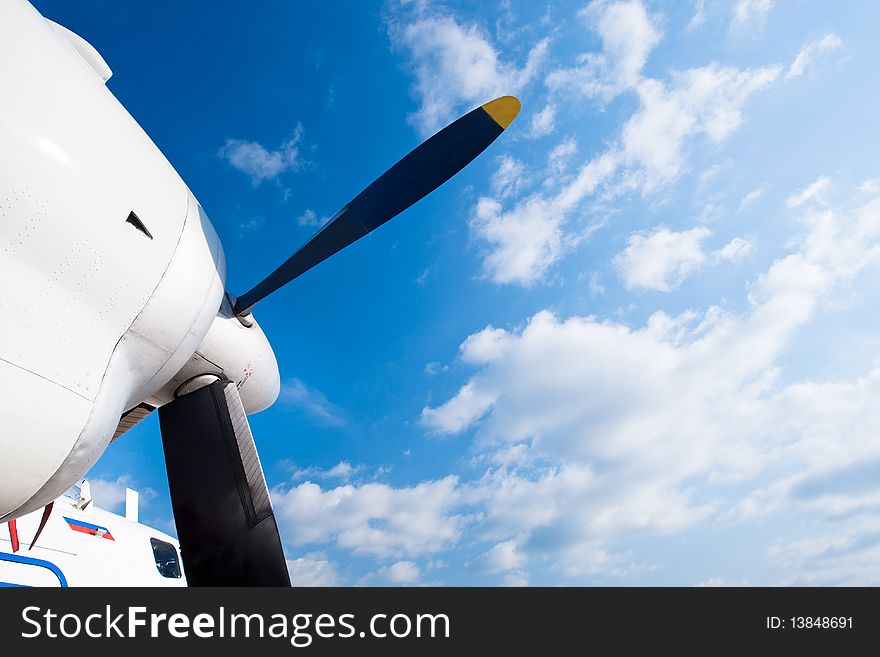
{"x": 110, "y": 272}
{"x": 234, "y": 349}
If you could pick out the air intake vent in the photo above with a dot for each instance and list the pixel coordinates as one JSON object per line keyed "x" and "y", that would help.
{"x": 135, "y": 221}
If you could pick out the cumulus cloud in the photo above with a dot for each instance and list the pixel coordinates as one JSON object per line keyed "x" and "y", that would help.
{"x": 314, "y": 569}
{"x": 372, "y": 519}
{"x": 826, "y": 44}
{"x": 735, "y": 250}
{"x": 261, "y": 163}
{"x": 634, "y": 431}
{"x": 543, "y": 123}
{"x": 597, "y": 433}
{"x": 401, "y": 572}
{"x": 457, "y": 68}
{"x": 525, "y": 239}
{"x": 524, "y": 234}
{"x": 503, "y": 557}
{"x": 628, "y": 35}
{"x": 699, "y": 101}
{"x": 591, "y": 432}
{"x": 663, "y": 258}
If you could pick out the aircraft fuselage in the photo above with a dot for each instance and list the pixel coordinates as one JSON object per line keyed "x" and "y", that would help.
{"x": 111, "y": 274}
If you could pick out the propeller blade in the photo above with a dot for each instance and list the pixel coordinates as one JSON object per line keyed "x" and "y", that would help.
{"x": 227, "y": 531}
{"x": 415, "y": 176}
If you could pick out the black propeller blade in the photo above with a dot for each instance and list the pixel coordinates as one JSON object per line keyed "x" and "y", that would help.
{"x": 227, "y": 531}
{"x": 418, "y": 174}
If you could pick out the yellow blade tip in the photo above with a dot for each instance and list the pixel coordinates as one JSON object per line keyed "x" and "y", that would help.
{"x": 503, "y": 110}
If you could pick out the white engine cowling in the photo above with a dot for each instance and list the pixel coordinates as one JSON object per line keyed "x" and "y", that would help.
{"x": 101, "y": 311}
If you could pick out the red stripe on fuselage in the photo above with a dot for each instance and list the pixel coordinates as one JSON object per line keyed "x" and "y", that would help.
{"x": 90, "y": 531}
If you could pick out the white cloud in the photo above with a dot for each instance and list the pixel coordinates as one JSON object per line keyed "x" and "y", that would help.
{"x": 748, "y": 13}
{"x": 815, "y": 190}
{"x": 460, "y": 412}
{"x": 662, "y": 259}
{"x": 402, "y": 572}
{"x": 110, "y": 493}
{"x": 526, "y": 240}
{"x": 342, "y": 470}
{"x": 735, "y": 250}
{"x": 313, "y": 569}
{"x": 457, "y": 68}
{"x": 456, "y": 65}
{"x": 504, "y": 556}
{"x": 699, "y": 16}
{"x": 870, "y": 187}
{"x": 826, "y": 44}
{"x": 308, "y": 218}
{"x": 559, "y": 157}
{"x": 485, "y": 346}
{"x": 260, "y": 163}
{"x": 721, "y": 581}
{"x": 372, "y": 519}
{"x": 598, "y": 433}
{"x": 628, "y": 34}
{"x": 700, "y": 101}
{"x": 544, "y": 122}
{"x": 595, "y": 431}
{"x": 433, "y": 368}
{"x": 831, "y": 560}
{"x": 751, "y": 197}
{"x": 296, "y": 394}
{"x": 509, "y": 178}
{"x": 523, "y": 242}
{"x": 517, "y": 578}
{"x": 652, "y": 430}
{"x": 711, "y": 173}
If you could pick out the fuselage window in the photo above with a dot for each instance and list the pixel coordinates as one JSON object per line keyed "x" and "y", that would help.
{"x": 166, "y": 558}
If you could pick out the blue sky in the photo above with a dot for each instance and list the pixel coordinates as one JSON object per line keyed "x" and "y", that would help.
{"x": 633, "y": 343}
